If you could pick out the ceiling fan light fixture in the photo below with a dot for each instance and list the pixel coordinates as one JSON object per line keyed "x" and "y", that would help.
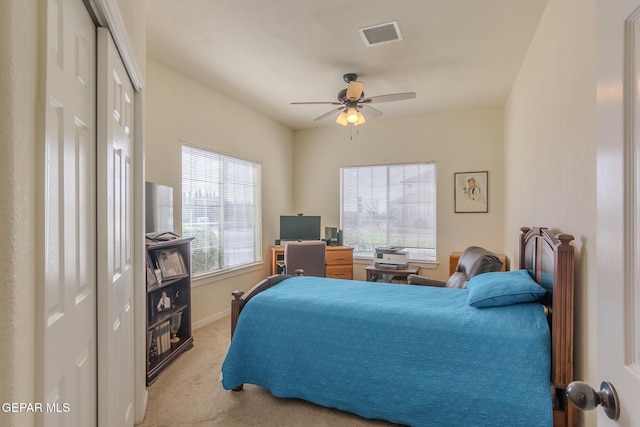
{"x": 360, "y": 120}
{"x": 353, "y": 115}
{"x": 342, "y": 118}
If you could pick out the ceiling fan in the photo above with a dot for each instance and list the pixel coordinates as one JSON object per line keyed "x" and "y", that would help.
{"x": 352, "y": 99}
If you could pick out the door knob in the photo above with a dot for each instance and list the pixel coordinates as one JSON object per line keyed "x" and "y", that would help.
{"x": 584, "y": 397}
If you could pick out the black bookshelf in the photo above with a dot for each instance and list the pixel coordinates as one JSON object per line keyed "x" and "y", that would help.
{"x": 168, "y": 303}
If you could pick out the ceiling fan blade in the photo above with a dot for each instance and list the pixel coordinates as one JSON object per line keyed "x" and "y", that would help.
{"x": 354, "y": 90}
{"x": 327, "y": 114}
{"x": 373, "y": 112}
{"x": 391, "y": 97}
{"x": 320, "y": 102}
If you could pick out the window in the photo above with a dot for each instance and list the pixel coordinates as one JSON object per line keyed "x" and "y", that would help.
{"x": 221, "y": 209}
{"x": 390, "y": 205}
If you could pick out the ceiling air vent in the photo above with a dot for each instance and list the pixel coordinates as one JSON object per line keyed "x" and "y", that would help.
{"x": 382, "y": 33}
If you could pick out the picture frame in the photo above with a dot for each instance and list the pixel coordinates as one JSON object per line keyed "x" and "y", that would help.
{"x": 161, "y": 301}
{"x": 170, "y": 263}
{"x": 152, "y": 279}
{"x": 471, "y": 192}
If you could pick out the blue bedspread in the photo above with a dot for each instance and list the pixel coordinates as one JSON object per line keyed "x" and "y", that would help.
{"x": 408, "y": 354}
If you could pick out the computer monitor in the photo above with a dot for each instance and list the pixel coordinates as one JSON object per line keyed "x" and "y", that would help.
{"x": 299, "y": 227}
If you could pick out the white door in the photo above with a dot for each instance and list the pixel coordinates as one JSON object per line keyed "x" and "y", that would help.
{"x": 618, "y": 167}
{"x": 115, "y": 245}
{"x": 67, "y": 304}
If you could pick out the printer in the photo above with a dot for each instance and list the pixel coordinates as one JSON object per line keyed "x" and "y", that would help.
{"x": 391, "y": 258}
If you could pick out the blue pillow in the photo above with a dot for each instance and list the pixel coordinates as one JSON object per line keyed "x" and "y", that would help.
{"x": 503, "y": 288}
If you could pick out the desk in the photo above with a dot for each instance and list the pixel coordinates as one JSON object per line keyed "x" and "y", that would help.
{"x": 339, "y": 261}
{"x": 399, "y": 276}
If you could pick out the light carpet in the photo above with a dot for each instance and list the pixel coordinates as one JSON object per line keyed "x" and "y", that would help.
{"x": 189, "y": 393}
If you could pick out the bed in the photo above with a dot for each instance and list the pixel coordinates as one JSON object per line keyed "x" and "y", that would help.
{"x": 499, "y": 353}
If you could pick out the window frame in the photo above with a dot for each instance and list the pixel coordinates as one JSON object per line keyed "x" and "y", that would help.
{"x": 427, "y": 253}
{"x": 222, "y": 263}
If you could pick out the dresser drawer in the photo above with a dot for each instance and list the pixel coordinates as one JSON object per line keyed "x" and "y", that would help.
{"x": 339, "y": 257}
{"x": 340, "y": 271}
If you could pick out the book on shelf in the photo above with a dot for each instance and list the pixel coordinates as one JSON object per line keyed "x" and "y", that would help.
{"x": 162, "y": 334}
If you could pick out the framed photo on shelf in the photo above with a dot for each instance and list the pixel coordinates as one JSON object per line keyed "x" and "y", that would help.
{"x": 161, "y": 301}
{"x": 170, "y": 263}
{"x": 471, "y": 192}
{"x": 151, "y": 275}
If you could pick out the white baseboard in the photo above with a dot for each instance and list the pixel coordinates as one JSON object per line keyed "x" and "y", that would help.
{"x": 209, "y": 320}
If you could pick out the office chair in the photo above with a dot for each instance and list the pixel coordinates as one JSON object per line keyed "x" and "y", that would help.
{"x": 305, "y": 258}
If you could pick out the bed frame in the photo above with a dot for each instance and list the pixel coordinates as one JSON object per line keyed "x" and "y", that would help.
{"x": 549, "y": 258}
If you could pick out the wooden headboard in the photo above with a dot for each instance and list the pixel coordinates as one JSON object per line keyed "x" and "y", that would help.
{"x": 549, "y": 258}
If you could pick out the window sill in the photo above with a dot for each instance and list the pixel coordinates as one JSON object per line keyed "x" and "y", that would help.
{"x": 208, "y": 278}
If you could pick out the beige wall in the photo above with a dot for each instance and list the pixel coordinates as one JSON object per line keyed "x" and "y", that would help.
{"x": 550, "y": 152}
{"x": 19, "y": 126}
{"x": 457, "y": 141}
{"x": 179, "y": 109}
{"x": 134, "y": 17}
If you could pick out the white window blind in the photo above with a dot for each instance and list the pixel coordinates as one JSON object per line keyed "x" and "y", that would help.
{"x": 221, "y": 209}
{"x": 390, "y": 205}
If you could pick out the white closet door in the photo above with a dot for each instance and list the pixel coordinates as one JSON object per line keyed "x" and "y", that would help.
{"x": 67, "y": 299}
{"x": 115, "y": 239}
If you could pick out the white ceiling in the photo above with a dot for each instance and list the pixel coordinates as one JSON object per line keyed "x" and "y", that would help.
{"x": 455, "y": 54}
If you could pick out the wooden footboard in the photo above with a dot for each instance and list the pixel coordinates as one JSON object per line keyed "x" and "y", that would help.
{"x": 240, "y": 298}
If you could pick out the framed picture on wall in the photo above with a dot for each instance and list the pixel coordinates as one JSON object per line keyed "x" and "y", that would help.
{"x": 471, "y": 192}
